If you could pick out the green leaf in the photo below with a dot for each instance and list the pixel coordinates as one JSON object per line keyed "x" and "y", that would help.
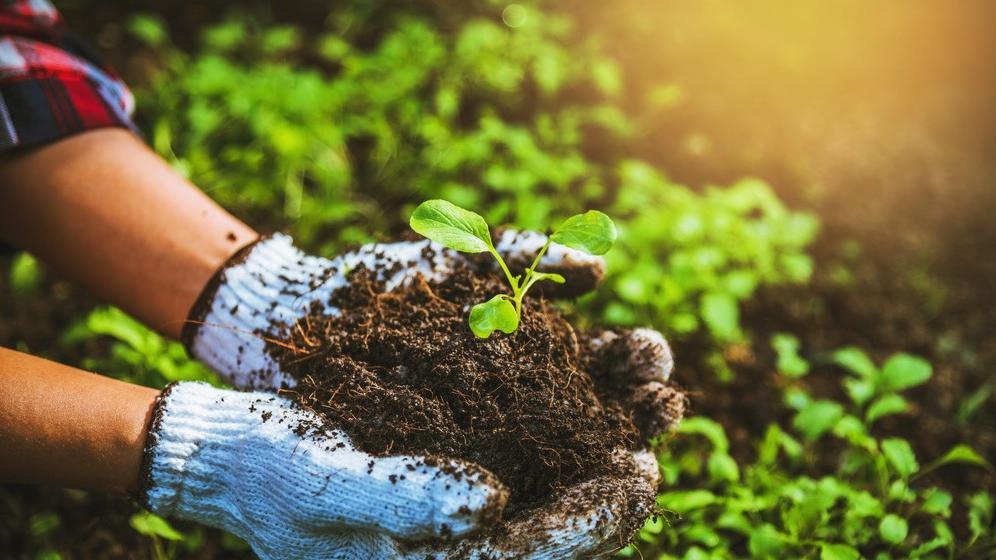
{"x": 980, "y": 514}
{"x": 937, "y": 502}
{"x": 686, "y": 500}
{"x": 854, "y": 359}
{"x": 592, "y": 232}
{"x": 817, "y": 417}
{"x": 886, "y": 405}
{"x": 893, "y": 528}
{"x": 789, "y": 362}
{"x": 25, "y": 274}
{"x": 496, "y": 314}
{"x": 903, "y": 371}
{"x": 712, "y": 430}
{"x": 151, "y": 525}
{"x": 722, "y": 468}
{"x": 148, "y": 28}
{"x": 451, "y": 226}
{"x": 900, "y": 456}
{"x": 766, "y": 542}
{"x": 721, "y": 314}
{"x": 960, "y": 453}
{"x": 552, "y": 276}
{"x": 838, "y": 552}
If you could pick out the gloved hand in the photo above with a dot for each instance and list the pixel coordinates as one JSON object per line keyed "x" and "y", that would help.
{"x": 258, "y": 466}
{"x": 273, "y": 284}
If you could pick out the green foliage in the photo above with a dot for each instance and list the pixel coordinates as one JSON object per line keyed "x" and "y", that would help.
{"x": 486, "y": 114}
{"x": 25, "y": 274}
{"x": 870, "y": 502}
{"x": 446, "y": 223}
{"x": 135, "y": 354}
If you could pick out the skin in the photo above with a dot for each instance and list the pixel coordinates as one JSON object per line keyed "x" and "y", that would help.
{"x": 107, "y": 213}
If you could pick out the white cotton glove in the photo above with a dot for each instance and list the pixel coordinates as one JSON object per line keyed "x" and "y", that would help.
{"x": 274, "y": 284}
{"x": 259, "y": 467}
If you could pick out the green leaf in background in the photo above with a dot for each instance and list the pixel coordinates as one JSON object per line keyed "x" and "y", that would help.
{"x": 903, "y": 371}
{"x": 786, "y": 346}
{"x": 893, "y": 528}
{"x": 766, "y": 542}
{"x": 886, "y": 405}
{"x": 151, "y": 525}
{"x": 25, "y": 274}
{"x": 722, "y": 468}
{"x": 838, "y": 552}
{"x": 959, "y": 454}
{"x": 937, "y": 502}
{"x": 451, "y": 226}
{"x": 980, "y": 514}
{"x": 817, "y": 417}
{"x": 148, "y": 28}
{"x": 721, "y": 314}
{"x": 496, "y": 314}
{"x": 592, "y": 232}
{"x": 855, "y": 359}
{"x": 685, "y": 501}
{"x": 707, "y": 427}
{"x": 900, "y": 455}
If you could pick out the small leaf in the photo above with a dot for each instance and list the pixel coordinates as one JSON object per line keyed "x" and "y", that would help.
{"x": 903, "y": 371}
{"x": 712, "y": 430}
{"x": 838, "y": 552}
{"x": 937, "y": 502}
{"x": 722, "y": 468}
{"x": 886, "y": 405}
{"x": 721, "y": 314}
{"x": 786, "y": 346}
{"x": 592, "y": 232}
{"x": 766, "y": 542}
{"x": 960, "y": 454}
{"x": 686, "y": 500}
{"x": 893, "y": 528}
{"x": 452, "y": 226}
{"x": 552, "y": 276}
{"x": 817, "y": 417}
{"x": 855, "y": 360}
{"x": 496, "y": 314}
{"x": 151, "y": 525}
{"x": 901, "y": 456}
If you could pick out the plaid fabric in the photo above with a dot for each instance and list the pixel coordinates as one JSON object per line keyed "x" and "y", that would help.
{"x": 51, "y": 85}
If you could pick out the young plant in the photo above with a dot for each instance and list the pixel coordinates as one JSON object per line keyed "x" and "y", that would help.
{"x": 447, "y": 224}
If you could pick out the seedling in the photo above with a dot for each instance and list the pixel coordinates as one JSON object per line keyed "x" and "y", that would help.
{"x": 447, "y": 224}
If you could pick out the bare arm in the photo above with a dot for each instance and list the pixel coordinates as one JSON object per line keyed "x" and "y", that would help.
{"x": 111, "y": 215}
{"x": 61, "y": 426}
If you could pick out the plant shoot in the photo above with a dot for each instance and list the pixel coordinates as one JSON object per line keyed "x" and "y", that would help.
{"x": 462, "y": 230}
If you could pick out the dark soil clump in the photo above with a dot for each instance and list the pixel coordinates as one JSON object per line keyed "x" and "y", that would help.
{"x": 402, "y": 373}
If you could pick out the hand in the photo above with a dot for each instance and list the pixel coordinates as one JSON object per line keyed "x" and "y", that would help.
{"x": 274, "y": 284}
{"x": 257, "y": 466}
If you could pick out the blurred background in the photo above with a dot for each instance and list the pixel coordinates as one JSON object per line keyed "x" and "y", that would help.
{"x": 805, "y": 191}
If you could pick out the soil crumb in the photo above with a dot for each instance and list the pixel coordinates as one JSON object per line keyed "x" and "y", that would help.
{"x": 402, "y": 373}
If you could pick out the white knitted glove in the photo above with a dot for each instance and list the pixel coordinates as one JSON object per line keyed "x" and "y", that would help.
{"x": 261, "y": 468}
{"x": 273, "y": 283}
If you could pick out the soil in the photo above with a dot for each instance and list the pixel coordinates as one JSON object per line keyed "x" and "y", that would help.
{"x": 402, "y": 373}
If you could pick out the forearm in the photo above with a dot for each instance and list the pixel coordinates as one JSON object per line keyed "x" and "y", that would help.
{"x": 113, "y": 216}
{"x": 65, "y": 427}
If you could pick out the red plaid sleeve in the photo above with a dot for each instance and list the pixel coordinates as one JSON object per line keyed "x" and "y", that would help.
{"x": 51, "y": 86}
